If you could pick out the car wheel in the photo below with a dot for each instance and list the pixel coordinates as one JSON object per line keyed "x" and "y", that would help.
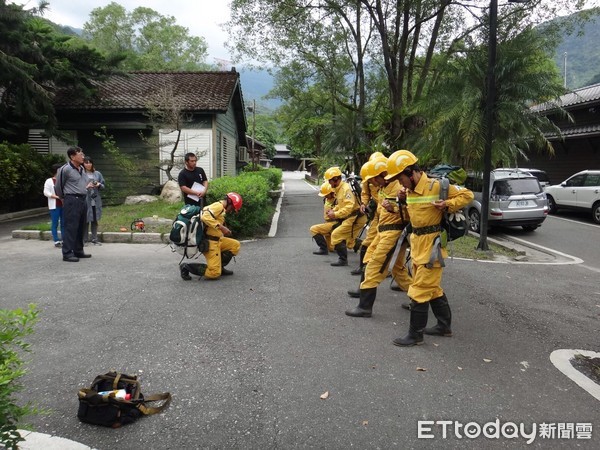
{"x": 596, "y": 212}
{"x": 551, "y": 204}
{"x": 474, "y": 220}
{"x": 529, "y": 227}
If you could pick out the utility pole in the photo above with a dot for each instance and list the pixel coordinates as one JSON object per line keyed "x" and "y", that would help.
{"x": 565, "y": 68}
{"x": 253, "y": 110}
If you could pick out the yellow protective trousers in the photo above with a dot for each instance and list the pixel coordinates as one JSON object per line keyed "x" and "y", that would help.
{"x": 377, "y": 266}
{"x": 400, "y": 271}
{"x": 372, "y": 231}
{"x": 426, "y": 283}
{"x": 213, "y": 255}
{"x": 325, "y": 230}
{"x": 347, "y": 230}
{"x": 359, "y": 223}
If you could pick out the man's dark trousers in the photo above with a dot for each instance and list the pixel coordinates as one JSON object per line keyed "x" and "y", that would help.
{"x": 73, "y": 232}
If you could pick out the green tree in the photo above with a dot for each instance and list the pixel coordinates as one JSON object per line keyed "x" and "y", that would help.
{"x": 35, "y": 62}
{"x": 147, "y": 39}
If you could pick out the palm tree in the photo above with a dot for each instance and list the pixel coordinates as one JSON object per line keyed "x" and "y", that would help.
{"x": 454, "y": 108}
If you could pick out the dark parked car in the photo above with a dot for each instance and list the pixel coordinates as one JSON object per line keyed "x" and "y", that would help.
{"x": 580, "y": 192}
{"x": 516, "y": 199}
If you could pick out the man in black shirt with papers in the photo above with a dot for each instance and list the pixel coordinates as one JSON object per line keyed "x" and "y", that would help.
{"x": 193, "y": 181}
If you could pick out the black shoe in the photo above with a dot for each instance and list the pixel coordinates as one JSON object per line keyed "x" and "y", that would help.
{"x": 321, "y": 251}
{"x": 357, "y": 271}
{"x": 359, "y": 312}
{"x": 438, "y": 331}
{"x": 405, "y": 306}
{"x": 83, "y": 255}
{"x": 70, "y": 258}
{"x": 184, "y": 272}
{"x": 409, "y": 340}
{"x": 225, "y": 271}
{"x": 354, "y": 294}
{"x": 340, "y": 262}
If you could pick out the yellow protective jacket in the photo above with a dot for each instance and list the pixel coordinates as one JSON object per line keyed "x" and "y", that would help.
{"x": 368, "y": 191}
{"x": 399, "y": 215}
{"x": 213, "y": 215}
{"x": 346, "y": 201}
{"x": 326, "y": 207}
{"x": 424, "y": 214}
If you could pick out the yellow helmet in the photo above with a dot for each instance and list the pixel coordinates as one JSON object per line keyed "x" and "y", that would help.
{"x": 376, "y": 167}
{"x": 363, "y": 170}
{"x": 332, "y": 172}
{"x": 325, "y": 190}
{"x": 398, "y": 161}
{"x": 375, "y": 155}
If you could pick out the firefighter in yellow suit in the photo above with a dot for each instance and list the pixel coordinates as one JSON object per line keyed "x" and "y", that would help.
{"x": 221, "y": 249}
{"x": 369, "y": 198}
{"x": 393, "y": 218}
{"x": 427, "y": 248}
{"x": 321, "y": 232}
{"x": 347, "y": 210}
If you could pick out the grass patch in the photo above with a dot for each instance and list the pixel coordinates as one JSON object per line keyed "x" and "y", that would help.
{"x": 466, "y": 247}
{"x": 115, "y": 217}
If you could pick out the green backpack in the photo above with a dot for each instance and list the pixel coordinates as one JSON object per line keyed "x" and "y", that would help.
{"x": 187, "y": 232}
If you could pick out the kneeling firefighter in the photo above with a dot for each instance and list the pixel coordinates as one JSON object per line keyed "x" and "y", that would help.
{"x": 221, "y": 249}
{"x": 426, "y": 211}
{"x": 321, "y": 232}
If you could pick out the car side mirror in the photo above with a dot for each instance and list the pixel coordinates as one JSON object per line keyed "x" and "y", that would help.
{"x": 563, "y": 184}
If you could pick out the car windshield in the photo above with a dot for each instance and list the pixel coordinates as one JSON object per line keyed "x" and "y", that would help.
{"x": 518, "y": 186}
{"x": 542, "y": 176}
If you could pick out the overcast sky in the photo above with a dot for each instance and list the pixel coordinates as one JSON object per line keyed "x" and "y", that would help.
{"x": 200, "y": 17}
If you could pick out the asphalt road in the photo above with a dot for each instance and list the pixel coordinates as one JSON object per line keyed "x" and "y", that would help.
{"x": 247, "y": 358}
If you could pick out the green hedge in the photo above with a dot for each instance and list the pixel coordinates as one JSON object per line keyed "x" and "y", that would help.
{"x": 24, "y": 172}
{"x": 257, "y": 207}
{"x": 273, "y": 176}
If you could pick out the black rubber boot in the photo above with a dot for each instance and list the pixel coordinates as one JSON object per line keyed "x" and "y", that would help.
{"x": 365, "y": 304}
{"x": 184, "y": 271}
{"x": 405, "y": 306}
{"x": 441, "y": 310}
{"x": 226, "y": 257}
{"x": 356, "y": 293}
{"x": 322, "y": 243}
{"x": 357, "y": 245}
{"x": 342, "y": 252}
{"x": 418, "y": 321}
{"x": 196, "y": 268}
{"x": 361, "y": 266}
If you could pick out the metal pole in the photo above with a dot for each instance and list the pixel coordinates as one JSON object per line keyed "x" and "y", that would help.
{"x": 253, "y": 131}
{"x": 490, "y": 100}
{"x": 565, "y": 67}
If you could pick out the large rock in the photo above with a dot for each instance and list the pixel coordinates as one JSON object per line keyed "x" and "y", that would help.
{"x": 171, "y": 192}
{"x": 140, "y": 199}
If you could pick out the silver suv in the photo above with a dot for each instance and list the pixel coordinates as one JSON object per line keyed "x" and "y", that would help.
{"x": 581, "y": 191}
{"x": 516, "y": 199}
{"x": 539, "y": 174}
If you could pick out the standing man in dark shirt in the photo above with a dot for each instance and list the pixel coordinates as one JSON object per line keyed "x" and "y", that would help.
{"x": 71, "y": 186}
{"x": 193, "y": 181}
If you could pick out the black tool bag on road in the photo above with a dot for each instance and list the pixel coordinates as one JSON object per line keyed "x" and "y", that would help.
{"x": 109, "y": 409}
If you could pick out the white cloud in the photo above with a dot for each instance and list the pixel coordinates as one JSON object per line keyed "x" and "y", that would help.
{"x": 202, "y": 17}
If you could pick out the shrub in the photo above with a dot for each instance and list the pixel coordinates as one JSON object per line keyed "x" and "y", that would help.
{"x": 24, "y": 171}
{"x": 272, "y": 175}
{"x": 14, "y": 325}
{"x": 256, "y": 209}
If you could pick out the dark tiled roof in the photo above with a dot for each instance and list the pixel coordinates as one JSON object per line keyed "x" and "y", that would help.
{"x": 196, "y": 91}
{"x": 577, "y": 131}
{"x": 581, "y": 96}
